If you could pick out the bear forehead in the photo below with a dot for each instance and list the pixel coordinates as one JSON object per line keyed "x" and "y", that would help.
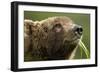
{"x": 57, "y": 20}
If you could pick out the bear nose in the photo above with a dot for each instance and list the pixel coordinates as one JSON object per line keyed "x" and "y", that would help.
{"x": 79, "y": 30}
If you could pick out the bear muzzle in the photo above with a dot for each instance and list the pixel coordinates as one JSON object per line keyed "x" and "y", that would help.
{"x": 78, "y": 30}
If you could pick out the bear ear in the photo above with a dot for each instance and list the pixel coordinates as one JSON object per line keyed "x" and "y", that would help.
{"x": 57, "y": 28}
{"x": 28, "y": 23}
{"x": 27, "y": 26}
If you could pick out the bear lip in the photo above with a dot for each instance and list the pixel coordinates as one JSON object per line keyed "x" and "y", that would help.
{"x": 74, "y": 40}
{"x": 78, "y": 35}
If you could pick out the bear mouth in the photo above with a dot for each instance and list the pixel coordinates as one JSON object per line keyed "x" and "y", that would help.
{"x": 75, "y": 39}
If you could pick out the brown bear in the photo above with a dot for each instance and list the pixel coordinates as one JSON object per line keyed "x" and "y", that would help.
{"x": 54, "y": 38}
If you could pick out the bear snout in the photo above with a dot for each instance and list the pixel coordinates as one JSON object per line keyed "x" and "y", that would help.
{"x": 78, "y": 30}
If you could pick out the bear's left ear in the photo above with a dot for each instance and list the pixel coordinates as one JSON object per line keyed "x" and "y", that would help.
{"x": 57, "y": 28}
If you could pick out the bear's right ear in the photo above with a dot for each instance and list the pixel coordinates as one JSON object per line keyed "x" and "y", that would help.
{"x": 28, "y": 26}
{"x": 28, "y": 22}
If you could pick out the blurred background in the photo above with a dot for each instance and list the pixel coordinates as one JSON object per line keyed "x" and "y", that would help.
{"x": 78, "y": 18}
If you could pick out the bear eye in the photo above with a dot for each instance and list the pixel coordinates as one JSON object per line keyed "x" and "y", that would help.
{"x": 58, "y": 25}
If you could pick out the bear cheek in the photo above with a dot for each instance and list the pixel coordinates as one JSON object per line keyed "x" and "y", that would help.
{"x": 68, "y": 35}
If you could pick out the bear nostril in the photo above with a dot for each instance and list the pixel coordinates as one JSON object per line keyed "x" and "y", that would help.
{"x": 79, "y": 30}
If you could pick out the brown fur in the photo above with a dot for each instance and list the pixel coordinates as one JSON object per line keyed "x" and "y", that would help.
{"x": 50, "y": 39}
